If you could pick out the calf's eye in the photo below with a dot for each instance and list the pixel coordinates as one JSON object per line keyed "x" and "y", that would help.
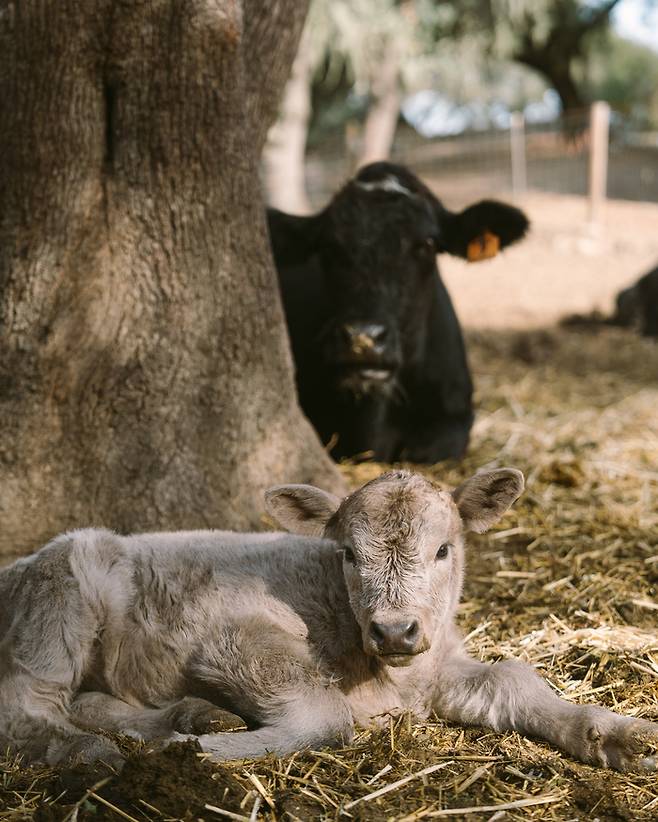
{"x": 348, "y": 555}
{"x": 443, "y": 551}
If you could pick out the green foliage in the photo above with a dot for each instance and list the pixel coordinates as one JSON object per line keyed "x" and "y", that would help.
{"x": 350, "y": 40}
{"x": 625, "y": 74}
{"x": 349, "y": 37}
{"x": 436, "y": 42}
{"x": 571, "y": 44}
{"x": 466, "y": 49}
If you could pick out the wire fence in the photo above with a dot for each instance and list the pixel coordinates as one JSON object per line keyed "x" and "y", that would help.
{"x": 551, "y": 157}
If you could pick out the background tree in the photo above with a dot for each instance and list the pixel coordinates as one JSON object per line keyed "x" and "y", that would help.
{"x": 625, "y": 74}
{"x": 356, "y": 60}
{"x": 363, "y": 56}
{"x": 551, "y": 37}
{"x": 285, "y": 150}
{"x": 145, "y": 373}
{"x": 568, "y": 43}
{"x": 355, "y": 47}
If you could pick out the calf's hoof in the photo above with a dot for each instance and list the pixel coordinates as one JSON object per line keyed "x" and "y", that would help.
{"x": 623, "y": 743}
{"x": 634, "y": 747}
{"x": 198, "y": 716}
{"x": 85, "y": 749}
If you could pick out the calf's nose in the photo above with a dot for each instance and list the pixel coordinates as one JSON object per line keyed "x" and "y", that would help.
{"x": 396, "y": 637}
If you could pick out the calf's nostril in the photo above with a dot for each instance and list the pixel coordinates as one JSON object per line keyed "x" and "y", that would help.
{"x": 411, "y": 631}
{"x": 377, "y": 632}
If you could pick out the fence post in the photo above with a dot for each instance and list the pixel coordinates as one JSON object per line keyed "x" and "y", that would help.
{"x": 517, "y": 152}
{"x": 599, "y": 127}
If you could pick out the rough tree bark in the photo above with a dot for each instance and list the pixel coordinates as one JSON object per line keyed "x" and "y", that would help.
{"x": 145, "y": 373}
{"x": 284, "y": 157}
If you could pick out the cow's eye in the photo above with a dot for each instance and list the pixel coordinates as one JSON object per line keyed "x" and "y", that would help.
{"x": 348, "y": 555}
{"x": 428, "y": 246}
{"x": 443, "y": 551}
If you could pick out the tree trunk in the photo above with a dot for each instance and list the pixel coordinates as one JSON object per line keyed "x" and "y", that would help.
{"x": 557, "y": 71}
{"x": 384, "y": 110}
{"x": 285, "y": 151}
{"x": 145, "y": 372}
{"x": 572, "y": 100}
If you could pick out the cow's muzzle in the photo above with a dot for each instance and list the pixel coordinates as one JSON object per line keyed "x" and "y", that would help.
{"x": 365, "y": 355}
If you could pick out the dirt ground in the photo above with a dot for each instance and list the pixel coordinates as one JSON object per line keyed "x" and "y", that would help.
{"x": 568, "y": 581}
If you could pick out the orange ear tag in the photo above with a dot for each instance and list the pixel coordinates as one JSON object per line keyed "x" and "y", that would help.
{"x": 482, "y": 247}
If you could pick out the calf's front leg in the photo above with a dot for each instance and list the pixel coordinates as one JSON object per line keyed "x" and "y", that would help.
{"x": 95, "y": 710}
{"x": 269, "y": 677}
{"x": 511, "y": 696}
{"x": 307, "y": 719}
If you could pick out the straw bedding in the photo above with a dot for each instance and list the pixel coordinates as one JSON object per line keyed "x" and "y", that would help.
{"x": 568, "y": 582}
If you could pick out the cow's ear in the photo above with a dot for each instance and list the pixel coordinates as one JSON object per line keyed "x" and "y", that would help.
{"x": 482, "y": 230}
{"x": 484, "y": 498}
{"x": 294, "y": 238}
{"x": 301, "y": 509}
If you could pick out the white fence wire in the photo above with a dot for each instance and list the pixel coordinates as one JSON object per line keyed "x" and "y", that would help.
{"x": 552, "y": 157}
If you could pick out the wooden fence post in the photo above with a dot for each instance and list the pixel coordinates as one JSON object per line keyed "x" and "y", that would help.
{"x": 598, "y": 158}
{"x": 517, "y": 153}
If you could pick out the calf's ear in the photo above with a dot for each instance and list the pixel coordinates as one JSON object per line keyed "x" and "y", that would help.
{"x": 294, "y": 238}
{"x": 301, "y": 509}
{"x": 484, "y": 498}
{"x": 482, "y": 230}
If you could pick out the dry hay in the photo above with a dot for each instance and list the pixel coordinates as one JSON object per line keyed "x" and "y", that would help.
{"x": 568, "y": 582}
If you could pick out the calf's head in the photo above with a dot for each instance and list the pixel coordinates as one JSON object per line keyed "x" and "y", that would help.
{"x": 401, "y": 541}
{"x": 376, "y": 243}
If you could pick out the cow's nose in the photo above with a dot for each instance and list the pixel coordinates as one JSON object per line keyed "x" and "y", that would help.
{"x": 396, "y": 637}
{"x": 363, "y": 338}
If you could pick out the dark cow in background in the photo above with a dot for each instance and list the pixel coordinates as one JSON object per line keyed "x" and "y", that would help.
{"x": 380, "y": 359}
{"x": 637, "y": 306}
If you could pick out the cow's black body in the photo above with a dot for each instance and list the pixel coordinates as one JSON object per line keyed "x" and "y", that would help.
{"x": 380, "y": 358}
{"x": 637, "y": 306}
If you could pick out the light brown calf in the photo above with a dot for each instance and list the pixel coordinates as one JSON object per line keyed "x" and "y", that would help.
{"x": 302, "y": 636}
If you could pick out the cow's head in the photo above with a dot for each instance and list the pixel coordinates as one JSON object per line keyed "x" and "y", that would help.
{"x": 377, "y": 243}
{"x": 401, "y": 542}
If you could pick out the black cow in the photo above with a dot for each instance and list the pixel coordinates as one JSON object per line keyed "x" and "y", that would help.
{"x": 381, "y": 365}
{"x": 637, "y": 306}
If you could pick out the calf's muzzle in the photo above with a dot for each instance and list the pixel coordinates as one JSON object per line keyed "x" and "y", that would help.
{"x": 402, "y": 637}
